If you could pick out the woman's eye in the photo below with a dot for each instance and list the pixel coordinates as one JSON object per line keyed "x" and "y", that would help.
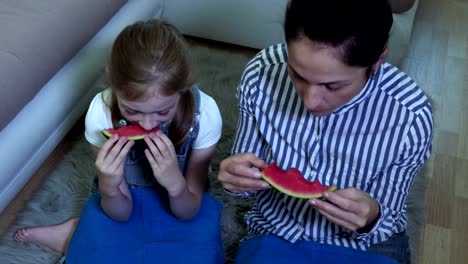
{"x": 332, "y": 87}
{"x": 298, "y": 77}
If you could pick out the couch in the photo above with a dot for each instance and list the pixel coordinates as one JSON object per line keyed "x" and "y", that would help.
{"x": 53, "y": 52}
{"x": 52, "y": 55}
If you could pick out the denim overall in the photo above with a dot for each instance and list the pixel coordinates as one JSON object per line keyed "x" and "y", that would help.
{"x": 152, "y": 234}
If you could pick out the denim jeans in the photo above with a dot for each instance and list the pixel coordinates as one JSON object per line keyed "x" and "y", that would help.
{"x": 275, "y": 250}
{"x": 396, "y": 247}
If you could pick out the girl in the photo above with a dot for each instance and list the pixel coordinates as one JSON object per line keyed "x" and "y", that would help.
{"x": 152, "y": 201}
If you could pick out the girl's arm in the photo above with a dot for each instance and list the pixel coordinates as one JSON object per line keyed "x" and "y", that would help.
{"x": 116, "y": 200}
{"x": 117, "y": 204}
{"x": 186, "y": 201}
{"x": 185, "y": 193}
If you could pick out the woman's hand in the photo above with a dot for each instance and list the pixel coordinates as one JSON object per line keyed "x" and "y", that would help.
{"x": 110, "y": 162}
{"x": 350, "y": 208}
{"x": 163, "y": 160}
{"x": 241, "y": 173}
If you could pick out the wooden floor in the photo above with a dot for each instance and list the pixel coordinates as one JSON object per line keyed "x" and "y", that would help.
{"x": 438, "y": 61}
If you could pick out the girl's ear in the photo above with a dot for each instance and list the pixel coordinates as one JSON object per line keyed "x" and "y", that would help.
{"x": 107, "y": 71}
{"x": 381, "y": 59}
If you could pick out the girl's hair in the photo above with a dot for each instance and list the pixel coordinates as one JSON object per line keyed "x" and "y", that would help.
{"x": 152, "y": 55}
{"x": 358, "y": 29}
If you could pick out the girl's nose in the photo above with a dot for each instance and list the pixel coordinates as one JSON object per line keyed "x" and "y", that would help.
{"x": 148, "y": 124}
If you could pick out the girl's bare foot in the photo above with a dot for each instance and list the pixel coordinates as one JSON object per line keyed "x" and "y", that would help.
{"x": 56, "y": 237}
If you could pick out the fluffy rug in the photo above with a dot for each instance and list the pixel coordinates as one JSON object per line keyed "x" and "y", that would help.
{"x": 64, "y": 191}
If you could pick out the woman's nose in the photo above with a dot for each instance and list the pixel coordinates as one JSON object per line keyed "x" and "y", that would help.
{"x": 312, "y": 97}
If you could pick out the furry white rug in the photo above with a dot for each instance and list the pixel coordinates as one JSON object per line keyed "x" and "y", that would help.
{"x": 63, "y": 193}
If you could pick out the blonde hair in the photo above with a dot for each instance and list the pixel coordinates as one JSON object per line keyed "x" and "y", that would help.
{"x": 153, "y": 55}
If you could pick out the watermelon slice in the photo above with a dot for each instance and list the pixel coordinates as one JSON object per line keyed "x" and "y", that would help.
{"x": 292, "y": 182}
{"x": 131, "y": 132}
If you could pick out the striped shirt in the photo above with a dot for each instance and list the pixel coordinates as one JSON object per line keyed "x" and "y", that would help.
{"x": 376, "y": 142}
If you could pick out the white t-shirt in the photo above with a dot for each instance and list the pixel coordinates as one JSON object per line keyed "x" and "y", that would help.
{"x": 98, "y": 118}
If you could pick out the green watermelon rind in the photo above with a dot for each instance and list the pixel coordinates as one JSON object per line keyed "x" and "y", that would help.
{"x": 294, "y": 194}
{"x": 107, "y": 134}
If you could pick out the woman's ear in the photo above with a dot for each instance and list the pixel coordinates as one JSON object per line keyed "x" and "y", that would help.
{"x": 381, "y": 59}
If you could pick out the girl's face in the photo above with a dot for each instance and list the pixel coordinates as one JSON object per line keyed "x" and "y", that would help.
{"x": 151, "y": 112}
{"x": 323, "y": 82}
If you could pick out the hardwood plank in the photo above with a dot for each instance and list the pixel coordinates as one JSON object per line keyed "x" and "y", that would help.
{"x": 459, "y": 249}
{"x": 445, "y": 142}
{"x": 461, "y": 180}
{"x": 464, "y": 133}
{"x": 450, "y": 109}
{"x": 437, "y": 244}
{"x": 441, "y": 192}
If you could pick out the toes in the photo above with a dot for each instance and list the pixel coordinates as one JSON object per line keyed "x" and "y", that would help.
{"x": 16, "y": 236}
{"x": 20, "y": 235}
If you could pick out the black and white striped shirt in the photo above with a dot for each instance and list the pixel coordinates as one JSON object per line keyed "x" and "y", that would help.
{"x": 376, "y": 142}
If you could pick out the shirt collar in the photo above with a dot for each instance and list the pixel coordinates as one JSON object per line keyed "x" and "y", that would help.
{"x": 370, "y": 87}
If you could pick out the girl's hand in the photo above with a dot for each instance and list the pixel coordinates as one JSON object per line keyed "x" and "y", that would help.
{"x": 241, "y": 173}
{"x": 350, "y": 208}
{"x": 163, "y": 160}
{"x": 110, "y": 163}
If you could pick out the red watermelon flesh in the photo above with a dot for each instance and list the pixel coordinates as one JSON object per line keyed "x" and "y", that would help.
{"x": 292, "y": 182}
{"x": 131, "y": 132}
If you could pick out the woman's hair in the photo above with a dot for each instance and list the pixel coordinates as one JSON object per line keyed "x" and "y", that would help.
{"x": 152, "y": 55}
{"x": 359, "y": 30}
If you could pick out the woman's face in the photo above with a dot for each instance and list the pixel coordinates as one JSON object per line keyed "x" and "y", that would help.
{"x": 151, "y": 112}
{"x": 323, "y": 82}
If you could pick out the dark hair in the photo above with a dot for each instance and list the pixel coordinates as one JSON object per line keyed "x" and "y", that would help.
{"x": 153, "y": 55}
{"x": 359, "y": 29}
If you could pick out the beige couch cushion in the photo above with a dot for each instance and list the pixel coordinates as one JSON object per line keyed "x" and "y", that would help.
{"x": 38, "y": 38}
{"x": 400, "y": 35}
{"x": 250, "y": 23}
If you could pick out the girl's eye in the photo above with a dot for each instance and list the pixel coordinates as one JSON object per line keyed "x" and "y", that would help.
{"x": 163, "y": 113}
{"x": 131, "y": 112}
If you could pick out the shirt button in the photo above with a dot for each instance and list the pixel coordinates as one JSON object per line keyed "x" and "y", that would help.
{"x": 122, "y": 122}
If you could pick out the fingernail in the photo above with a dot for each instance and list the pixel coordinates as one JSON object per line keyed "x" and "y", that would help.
{"x": 325, "y": 194}
{"x": 258, "y": 174}
{"x": 265, "y": 185}
{"x": 313, "y": 202}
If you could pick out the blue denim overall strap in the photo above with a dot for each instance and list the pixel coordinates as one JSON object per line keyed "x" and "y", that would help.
{"x": 137, "y": 168}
